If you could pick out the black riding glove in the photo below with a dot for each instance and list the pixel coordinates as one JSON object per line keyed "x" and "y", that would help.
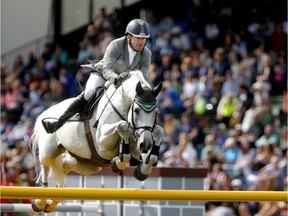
{"x": 120, "y": 78}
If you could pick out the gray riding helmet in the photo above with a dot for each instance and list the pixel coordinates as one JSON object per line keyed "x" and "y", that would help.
{"x": 138, "y": 28}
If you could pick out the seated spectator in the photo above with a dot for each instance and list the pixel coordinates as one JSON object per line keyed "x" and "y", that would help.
{"x": 84, "y": 52}
{"x": 270, "y": 177}
{"x": 189, "y": 91}
{"x": 13, "y": 96}
{"x": 230, "y": 154}
{"x": 183, "y": 155}
{"x": 179, "y": 40}
{"x": 211, "y": 153}
{"x": 239, "y": 45}
{"x": 262, "y": 158}
{"x": 220, "y": 63}
{"x": 19, "y": 131}
{"x": 230, "y": 84}
{"x": 34, "y": 107}
{"x": 268, "y": 138}
{"x": 169, "y": 101}
{"x": 243, "y": 164}
{"x": 219, "y": 132}
{"x": 60, "y": 55}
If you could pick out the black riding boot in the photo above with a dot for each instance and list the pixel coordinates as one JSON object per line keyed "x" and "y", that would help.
{"x": 78, "y": 104}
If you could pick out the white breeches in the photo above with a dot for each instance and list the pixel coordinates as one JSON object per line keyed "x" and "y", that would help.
{"x": 94, "y": 81}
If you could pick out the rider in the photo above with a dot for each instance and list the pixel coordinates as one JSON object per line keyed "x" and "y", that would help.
{"x": 122, "y": 55}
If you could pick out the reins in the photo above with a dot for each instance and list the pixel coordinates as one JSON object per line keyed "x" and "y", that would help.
{"x": 145, "y": 107}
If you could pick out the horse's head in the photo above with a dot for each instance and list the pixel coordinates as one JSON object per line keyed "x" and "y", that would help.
{"x": 143, "y": 114}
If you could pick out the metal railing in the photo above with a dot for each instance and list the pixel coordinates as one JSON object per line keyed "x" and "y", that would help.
{"x": 36, "y": 46}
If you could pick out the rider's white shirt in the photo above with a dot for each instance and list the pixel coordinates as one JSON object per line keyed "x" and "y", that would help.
{"x": 132, "y": 54}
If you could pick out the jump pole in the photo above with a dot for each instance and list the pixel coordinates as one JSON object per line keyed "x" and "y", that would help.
{"x": 12, "y": 192}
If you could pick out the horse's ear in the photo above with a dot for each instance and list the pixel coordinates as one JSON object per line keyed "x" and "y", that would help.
{"x": 157, "y": 89}
{"x": 139, "y": 89}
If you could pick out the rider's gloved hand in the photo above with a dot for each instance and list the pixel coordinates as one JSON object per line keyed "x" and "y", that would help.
{"x": 120, "y": 78}
{"x": 113, "y": 79}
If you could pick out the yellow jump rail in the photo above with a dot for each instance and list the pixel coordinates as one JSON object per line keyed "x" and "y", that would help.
{"x": 12, "y": 192}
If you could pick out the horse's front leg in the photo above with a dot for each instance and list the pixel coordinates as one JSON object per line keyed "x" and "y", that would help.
{"x": 120, "y": 162}
{"x": 151, "y": 158}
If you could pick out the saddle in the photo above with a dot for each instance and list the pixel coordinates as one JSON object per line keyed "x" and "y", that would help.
{"x": 86, "y": 113}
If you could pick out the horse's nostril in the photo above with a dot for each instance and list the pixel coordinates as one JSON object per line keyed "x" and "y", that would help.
{"x": 144, "y": 148}
{"x": 141, "y": 147}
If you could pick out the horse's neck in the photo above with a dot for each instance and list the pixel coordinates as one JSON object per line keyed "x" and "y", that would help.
{"x": 117, "y": 98}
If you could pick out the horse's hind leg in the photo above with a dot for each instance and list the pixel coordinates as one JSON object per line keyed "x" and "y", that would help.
{"x": 58, "y": 173}
{"x": 66, "y": 163}
{"x": 39, "y": 205}
{"x": 56, "y": 170}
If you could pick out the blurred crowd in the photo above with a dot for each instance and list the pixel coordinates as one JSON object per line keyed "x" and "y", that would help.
{"x": 223, "y": 104}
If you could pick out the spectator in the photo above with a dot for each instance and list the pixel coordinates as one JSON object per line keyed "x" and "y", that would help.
{"x": 185, "y": 153}
{"x": 226, "y": 107}
{"x": 230, "y": 85}
{"x": 230, "y": 154}
{"x": 179, "y": 40}
{"x": 268, "y": 138}
{"x": 169, "y": 101}
{"x": 270, "y": 177}
{"x": 84, "y": 52}
{"x": 243, "y": 165}
{"x": 239, "y": 45}
{"x": 60, "y": 55}
{"x": 210, "y": 154}
{"x": 34, "y": 107}
{"x": 189, "y": 91}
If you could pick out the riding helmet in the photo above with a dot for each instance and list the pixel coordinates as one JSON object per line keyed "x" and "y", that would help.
{"x": 138, "y": 28}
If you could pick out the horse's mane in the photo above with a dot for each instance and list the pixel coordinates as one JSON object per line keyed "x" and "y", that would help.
{"x": 141, "y": 78}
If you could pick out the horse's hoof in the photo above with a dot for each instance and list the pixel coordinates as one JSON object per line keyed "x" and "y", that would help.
{"x": 47, "y": 210}
{"x": 34, "y": 207}
{"x": 114, "y": 166}
{"x": 138, "y": 175}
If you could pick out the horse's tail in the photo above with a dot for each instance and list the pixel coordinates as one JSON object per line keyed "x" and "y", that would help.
{"x": 33, "y": 144}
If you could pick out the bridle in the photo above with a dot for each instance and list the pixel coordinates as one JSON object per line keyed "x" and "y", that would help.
{"x": 147, "y": 107}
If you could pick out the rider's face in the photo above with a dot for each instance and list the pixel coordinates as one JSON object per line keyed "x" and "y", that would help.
{"x": 137, "y": 43}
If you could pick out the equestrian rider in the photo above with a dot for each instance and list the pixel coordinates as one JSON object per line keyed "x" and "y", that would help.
{"x": 122, "y": 54}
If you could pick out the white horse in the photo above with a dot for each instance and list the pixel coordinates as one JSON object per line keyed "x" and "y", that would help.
{"x": 122, "y": 128}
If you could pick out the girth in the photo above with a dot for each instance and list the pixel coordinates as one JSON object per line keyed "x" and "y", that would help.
{"x": 95, "y": 158}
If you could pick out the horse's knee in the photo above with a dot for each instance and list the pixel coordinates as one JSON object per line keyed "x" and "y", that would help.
{"x": 158, "y": 133}
{"x": 122, "y": 127}
{"x": 123, "y": 130}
